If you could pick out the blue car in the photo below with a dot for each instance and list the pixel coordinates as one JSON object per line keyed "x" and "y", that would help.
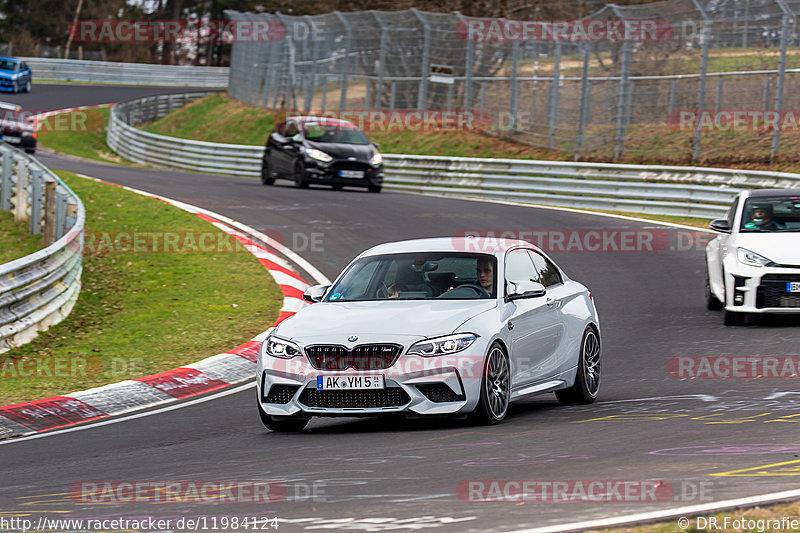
{"x": 15, "y": 75}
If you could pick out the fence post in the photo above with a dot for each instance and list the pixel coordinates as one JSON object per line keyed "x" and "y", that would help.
{"x": 513, "y": 104}
{"x": 21, "y": 197}
{"x": 672, "y": 97}
{"x": 392, "y": 95}
{"x": 718, "y": 105}
{"x": 381, "y": 58}
{"x": 554, "y": 96}
{"x": 619, "y": 140}
{"x": 7, "y": 184}
{"x": 468, "y": 67}
{"x": 49, "y": 212}
{"x": 347, "y": 52}
{"x": 776, "y": 134}
{"x": 765, "y": 95}
{"x": 483, "y": 96}
{"x": 309, "y": 97}
{"x": 36, "y": 202}
{"x": 583, "y": 110}
{"x": 701, "y": 86}
{"x": 422, "y": 95}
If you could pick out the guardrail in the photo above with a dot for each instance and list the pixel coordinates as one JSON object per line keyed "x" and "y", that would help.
{"x": 127, "y": 73}
{"x": 40, "y": 289}
{"x": 660, "y": 190}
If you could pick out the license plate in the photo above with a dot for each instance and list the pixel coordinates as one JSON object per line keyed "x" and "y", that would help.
{"x": 12, "y": 140}
{"x": 351, "y": 173}
{"x": 349, "y": 382}
{"x": 793, "y": 286}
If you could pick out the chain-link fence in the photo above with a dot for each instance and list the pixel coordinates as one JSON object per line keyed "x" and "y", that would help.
{"x": 670, "y": 77}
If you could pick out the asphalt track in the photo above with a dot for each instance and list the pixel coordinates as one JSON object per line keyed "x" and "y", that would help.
{"x": 394, "y": 474}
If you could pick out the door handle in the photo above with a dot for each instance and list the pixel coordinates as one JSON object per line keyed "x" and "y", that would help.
{"x": 510, "y": 325}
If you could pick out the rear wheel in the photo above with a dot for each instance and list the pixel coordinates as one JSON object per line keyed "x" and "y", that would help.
{"x": 300, "y": 174}
{"x": 587, "y": 378}
{"x": 266, "y": 173}
{"x": 495, "y": 388}
{"x": 281, "y": 423}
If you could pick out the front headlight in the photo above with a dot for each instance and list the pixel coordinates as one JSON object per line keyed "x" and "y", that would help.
{"x": 376, "y": 160}
{"x": 280, "y": 348}
{"x": 751, "y": 258}
{"x": 443, "y": 345}
{"x": 319, "y": 155}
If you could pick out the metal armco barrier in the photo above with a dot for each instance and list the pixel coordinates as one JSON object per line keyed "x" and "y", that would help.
{"x": 659, "y": 190}
{"x": 126, "y": 73}
{"x": 39, "y": 290}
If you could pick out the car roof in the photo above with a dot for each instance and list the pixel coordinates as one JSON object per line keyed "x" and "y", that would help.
{"x": 13, "y": 59}
{"x": 486, "y": 245}
{"x": 302, "y": 119}
{"x": 761, "y": 193}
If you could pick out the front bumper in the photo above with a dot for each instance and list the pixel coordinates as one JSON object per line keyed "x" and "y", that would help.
{"x": 330, "y": 173}
{"x": 440, "y": 385}
{"x": 761, "y": 290}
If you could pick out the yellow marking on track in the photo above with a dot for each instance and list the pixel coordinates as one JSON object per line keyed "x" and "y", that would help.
{"x": 787, "y": 468}
{"x": 740, "y": 420}
{"x": 633, "y": 417}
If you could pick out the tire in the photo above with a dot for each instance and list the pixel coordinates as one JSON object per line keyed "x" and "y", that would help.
{"x": 27, "y": 86}
{"x": 266, "y": 174}
{"x": 587, "y": 377}
{"x": 336, "y": 187}
{"x": 300, "y": 174}
{"x": 733, "y": 318}
{"x": 281, "y": 423}
{"x": 712, "y": 303}
{"x": 495, "y": 388}
{"x": 375, "y": 188}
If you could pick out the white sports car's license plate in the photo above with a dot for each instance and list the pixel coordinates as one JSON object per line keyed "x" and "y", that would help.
{"x": 13, "y": 140}
{"x": 793, "y": 286}
{"x": 351, "y": 173}
{"x": 349, "y": 382}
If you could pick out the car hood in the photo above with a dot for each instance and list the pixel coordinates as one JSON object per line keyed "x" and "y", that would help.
{"x": 782, "y": 248}
{"x": 361, "y": 152}
{"x": 7, "y": 74}
{"x": 373, "y": 321}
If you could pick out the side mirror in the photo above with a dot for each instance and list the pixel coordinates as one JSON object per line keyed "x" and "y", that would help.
{"x": 377, "y": 146}
{"x": 721, "y": 226}
{"x": 524, "y": 289}
{"x": 314, "y": 294}
{"x": 297, "y": 138}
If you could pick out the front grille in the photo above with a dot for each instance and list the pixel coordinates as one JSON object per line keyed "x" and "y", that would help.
{"x": 361, "y": 357}
{"x": 439, "y": 392}
{"x": 281, "y": 394}
{"x": 366, "y": 398}
{"x": 772, "y": 291}
{"x": 349, "y": 165}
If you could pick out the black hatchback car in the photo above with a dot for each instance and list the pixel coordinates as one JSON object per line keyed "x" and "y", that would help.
{"x": 321, "y": 150}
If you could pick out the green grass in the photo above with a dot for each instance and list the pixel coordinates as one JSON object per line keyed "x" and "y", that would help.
{"x": 81, "y": 134}
{"x": 141, "y": 313}
{"x": 15, "y": 241}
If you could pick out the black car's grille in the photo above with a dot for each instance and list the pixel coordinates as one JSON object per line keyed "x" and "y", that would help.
{"x": 439, "y": 392}
{"x": 772, "y": 291}
{"x": 361, "y": 398}
{"x": 361, "y": 357}
{"x": 281, "y": 394}
{"x": 349, "y": 165}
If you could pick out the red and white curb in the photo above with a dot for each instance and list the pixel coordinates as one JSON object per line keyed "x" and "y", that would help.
{"x": 222, "y": 370}
{"x": 44, "y": 116}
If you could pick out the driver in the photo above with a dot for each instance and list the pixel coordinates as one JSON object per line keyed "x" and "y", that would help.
{"x": 761, "y": 219}
{"x": 486, "y": 275}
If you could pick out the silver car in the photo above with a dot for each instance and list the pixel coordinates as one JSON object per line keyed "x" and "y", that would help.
{"x": 444, "y": 326}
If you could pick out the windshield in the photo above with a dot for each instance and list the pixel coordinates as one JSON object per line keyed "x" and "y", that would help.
{"x": 417, "y": 276}
{"x": 332, "y": 132}
{"x": 6, "y": 64}
{"x": 771, "y": 214}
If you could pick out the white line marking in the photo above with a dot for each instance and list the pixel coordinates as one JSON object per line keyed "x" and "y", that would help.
{"x": 90, "y": 425}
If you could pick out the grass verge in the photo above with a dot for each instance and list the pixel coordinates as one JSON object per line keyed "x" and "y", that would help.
{"x": 139, "y": 312}
{"x": 15, "y": 241}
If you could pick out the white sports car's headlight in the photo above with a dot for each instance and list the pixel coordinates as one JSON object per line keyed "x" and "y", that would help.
{"x": 443, "y": 345}
{"x": 319, "y": 155}
{"x": 751, "y": 258}
{"x": 280, "y": 348}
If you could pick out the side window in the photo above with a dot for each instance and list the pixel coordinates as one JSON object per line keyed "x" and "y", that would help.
{"x": 23, "y": 66}
{"x": 732, "y": 211}
{"x": 280, "y": 129}
{"x": 291, "y": 129}
{"x": 519, "y": 267}
{"x": 548, "y": 272}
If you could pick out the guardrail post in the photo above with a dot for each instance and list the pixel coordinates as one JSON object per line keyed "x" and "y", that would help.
{"x": 61, "y": 215}
{"x": 72, "y": 214}
{"x": 7, "y": 184}
{"x": 21, "y": 196}
{"x": 49, "y": 212}
{"x": 36, "y": 202}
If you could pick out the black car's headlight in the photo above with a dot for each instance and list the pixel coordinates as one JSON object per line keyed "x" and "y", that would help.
{"x": 443, "y": 345}
{"x": 283, "y": 349}
{"x": 319, "y": 155}
{"x": 376, "y": 160}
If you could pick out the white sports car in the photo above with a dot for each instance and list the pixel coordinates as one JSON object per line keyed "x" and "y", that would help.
{"x": 444, "y": 326}
{"x": 753, "y": 265}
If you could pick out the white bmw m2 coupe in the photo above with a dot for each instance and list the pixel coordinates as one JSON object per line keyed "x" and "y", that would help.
{"x": 444, "y": 326}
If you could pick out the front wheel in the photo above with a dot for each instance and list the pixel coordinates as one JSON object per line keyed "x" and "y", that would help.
{"x": 300, "y": 174}
{"x": 587, "y": 377}
{"x": 28, "y": 86}
{"x": 733, "y": 318}
{"x": 266, "y": 173}
{"x": 374, "y": 188}
{"x": 281, "y": 423}
{"x": 495, "y": 388}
